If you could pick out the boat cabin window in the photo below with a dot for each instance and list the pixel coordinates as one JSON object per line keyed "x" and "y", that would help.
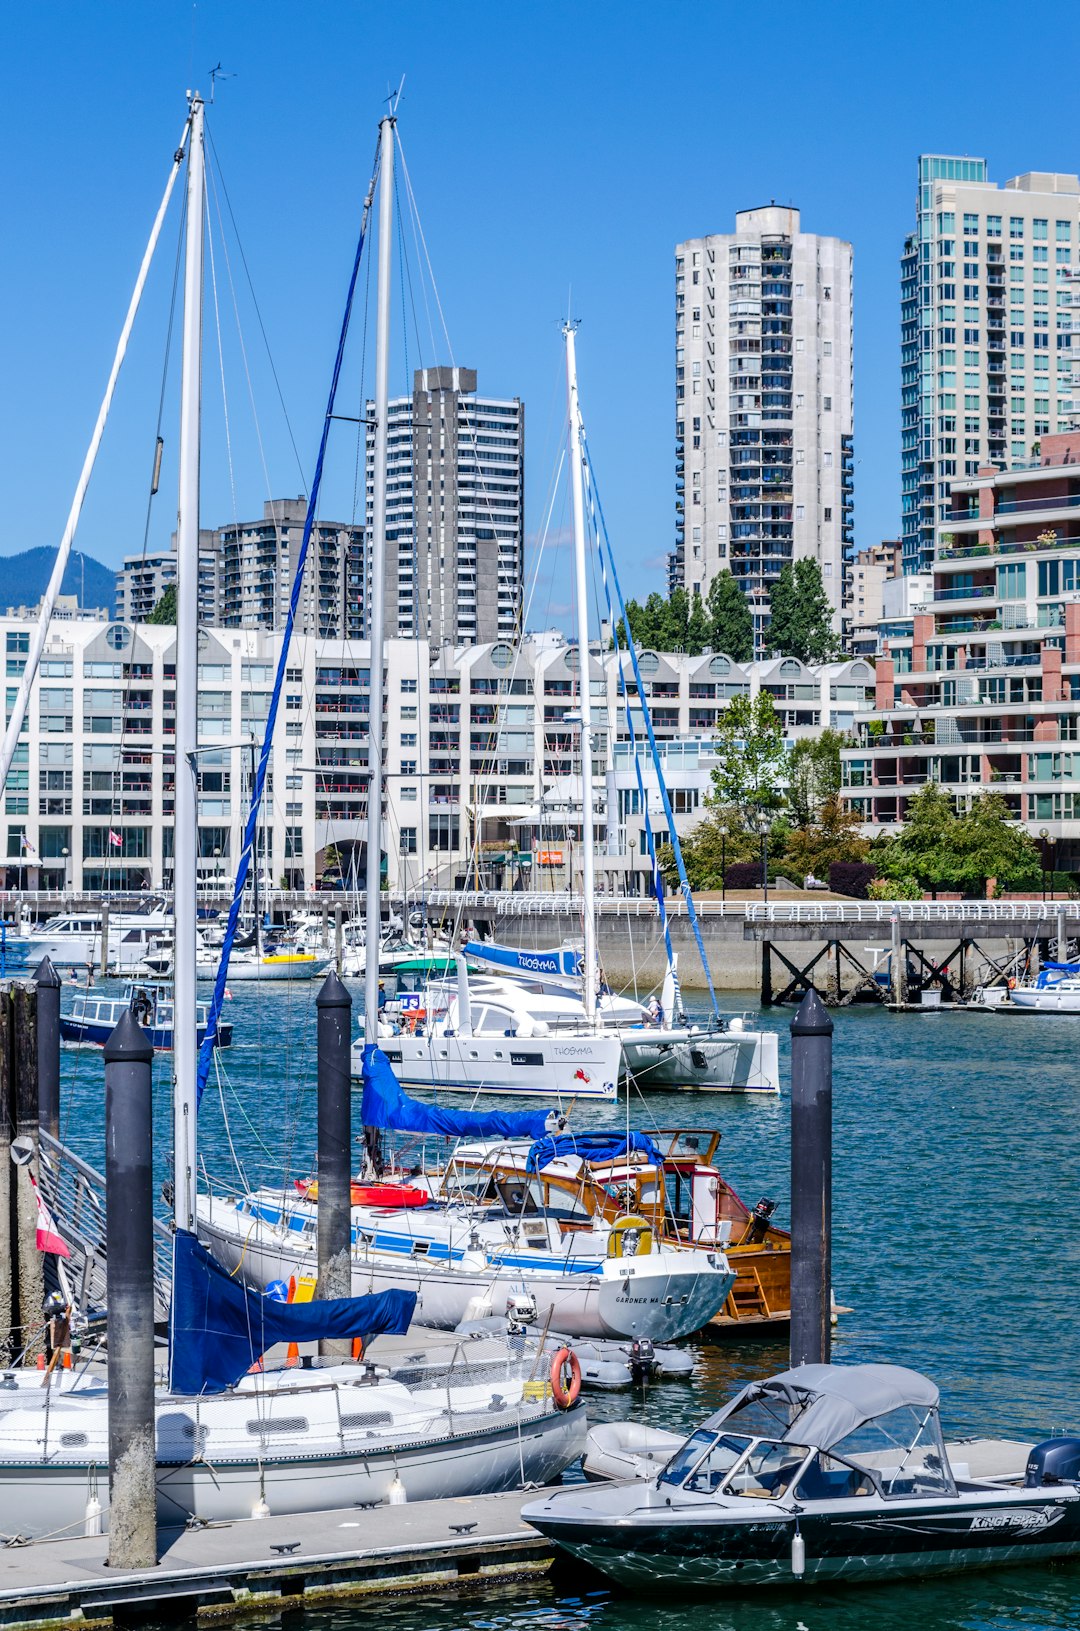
{"x": 768, "y": 1471}
{"x": 704, "y": 1461}
{"x": 827, "y": 1479}
{"x": 903, "y": 1451}
{"x": 767, "y": 1416}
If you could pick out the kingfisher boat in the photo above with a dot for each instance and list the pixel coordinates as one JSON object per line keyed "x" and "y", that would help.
{"x": 825, "y": 1474}
{"x": 93, "y": 1018}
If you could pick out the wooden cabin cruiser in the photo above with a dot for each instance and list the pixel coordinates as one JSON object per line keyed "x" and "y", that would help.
{"x": 827, "y": 1473}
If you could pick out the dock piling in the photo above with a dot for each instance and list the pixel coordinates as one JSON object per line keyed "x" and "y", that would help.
{"x": 334, "y": 1008}
{"x": 48, "y": 1046}
{"x": 129, "y": 1205}
{"x": 896, "y": 965}
{"x": 1062, "y": 952}
{"x": 30, "y": 1263}
{"x": 7, "y": 1173}
{"x": 811, "y": 1182}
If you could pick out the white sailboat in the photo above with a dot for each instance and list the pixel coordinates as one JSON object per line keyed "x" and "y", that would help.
{"x": 290, "y": 1440}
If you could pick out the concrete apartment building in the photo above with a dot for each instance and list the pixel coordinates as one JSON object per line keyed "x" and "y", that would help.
{"x": 455, "y": 511}
{"x": 864, "y": 605}
{"x": 764, "y": 467}
{"x": 477, "y": 739}
{"x": 983, "y": 691}
{"x": 246, "y": 572}
{"x": 986, "y": 331}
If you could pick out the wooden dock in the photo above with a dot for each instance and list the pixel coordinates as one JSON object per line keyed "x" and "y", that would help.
{"x": 269, "y": 1565}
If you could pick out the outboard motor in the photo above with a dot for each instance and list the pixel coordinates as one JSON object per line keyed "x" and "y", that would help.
{"x": 642, "y": 1359}
{"x": 520, "y": 1314}
{"x": 1057, "y": 1461}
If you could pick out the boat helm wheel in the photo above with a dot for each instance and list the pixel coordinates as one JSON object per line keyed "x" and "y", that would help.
{"x": 565, "y": 1378}
{"x": 631, "y": 1236}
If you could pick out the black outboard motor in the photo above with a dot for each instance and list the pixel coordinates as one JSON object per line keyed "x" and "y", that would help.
{"x": 1055, "y": 1462}
{"x": 642, "y": 1359}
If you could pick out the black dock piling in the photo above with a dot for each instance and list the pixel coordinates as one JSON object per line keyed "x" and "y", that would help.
{"x": 30, "y": 1263}
{"x": 129, "y": 1205}
{"x": 811, "y": 1182}
{"x": 8, "y": 1276}
{"x": 334, "y": 1006}
{"x": 48, "y": 1046}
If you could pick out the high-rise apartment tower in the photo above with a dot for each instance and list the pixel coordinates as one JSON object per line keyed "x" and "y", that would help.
{"x": 986, "y": 330}
{"x": 454, "y": 511}
{"x": 764, "y": 407}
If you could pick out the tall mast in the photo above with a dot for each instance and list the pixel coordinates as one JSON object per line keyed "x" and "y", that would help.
{"x": 185, "y": 1041}
{"x": 588, "y": 878}
{"x": 378, "y": 575}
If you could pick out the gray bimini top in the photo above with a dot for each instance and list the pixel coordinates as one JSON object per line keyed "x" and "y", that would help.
{"x": 830, "y": 1401}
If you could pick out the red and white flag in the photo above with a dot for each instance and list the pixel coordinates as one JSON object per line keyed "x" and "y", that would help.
{"x": 47, "y": 1238}
{"x": 116, "y": 839}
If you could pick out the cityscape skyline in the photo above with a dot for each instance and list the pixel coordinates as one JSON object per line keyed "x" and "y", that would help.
{"x": 547, "y": 226}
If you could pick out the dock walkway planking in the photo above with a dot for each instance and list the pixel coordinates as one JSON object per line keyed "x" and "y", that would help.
{"x": 267, "y": 1565}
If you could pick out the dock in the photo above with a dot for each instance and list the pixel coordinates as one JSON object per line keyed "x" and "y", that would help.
{"x": 218, "y": 1572}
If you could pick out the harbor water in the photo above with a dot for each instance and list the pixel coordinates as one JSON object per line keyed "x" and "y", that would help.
{"x": 956, "y": 1245}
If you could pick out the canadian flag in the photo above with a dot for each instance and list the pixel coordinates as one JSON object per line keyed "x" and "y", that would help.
{"x": 47, "y": 1238}
{"x": 116, "y": 839}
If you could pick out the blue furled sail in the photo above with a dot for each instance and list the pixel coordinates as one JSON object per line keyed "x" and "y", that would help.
{"x": 218, "y": 1328}
{"x": 592, "y": 1147}
{"x": 385, "y": 1105}
{"x": 563, "y": 963}
{"x": 247, "y": 848}
{"x": 603, "y": 542}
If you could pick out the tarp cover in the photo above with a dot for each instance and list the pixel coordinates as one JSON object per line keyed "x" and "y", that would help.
{"x": 591, "y": 1147}
{"x": 385, "y": 1105}
{"x": 218, "y": 1328}
{"x": 838, "y": 1398}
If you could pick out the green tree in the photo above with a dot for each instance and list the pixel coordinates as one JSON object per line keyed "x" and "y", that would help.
{"x": 921, "y": 850}
{"x": 720, "y": 839}
{"x": 834, "y": 836}
{"x": 750, "y": 757}
{"x": 698, "y": 628}
{"x": 800, "y": 614}
{"x": 731, "y": 627}
{"x": 165, "y": 610}
{"x": 988, "y": 845}
{"x": 813, "y": 775}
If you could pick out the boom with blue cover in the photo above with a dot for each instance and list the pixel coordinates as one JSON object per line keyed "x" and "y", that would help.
{"x": 218, "y": 1328}
{"x": 563, "y": 963}
{"x": 385, "y": 1105}
{"x": 592, "y": 1147}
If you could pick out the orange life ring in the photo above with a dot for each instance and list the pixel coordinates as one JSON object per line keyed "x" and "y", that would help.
{"x": 1012, "y": 982}
{"x": 563, "y": 1392}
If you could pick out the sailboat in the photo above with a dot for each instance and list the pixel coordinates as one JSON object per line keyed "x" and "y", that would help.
{"x": 232, "y": 1444}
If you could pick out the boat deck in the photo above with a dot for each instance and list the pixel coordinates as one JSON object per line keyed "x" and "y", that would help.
{"x": 265, "y": 1566}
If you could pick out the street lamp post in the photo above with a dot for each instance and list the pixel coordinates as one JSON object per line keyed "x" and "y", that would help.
{"x": 633, "y": 868}
{"x": 1044, "y": 835}
{"x": 723, "y": 861}
{"x": 64, "y": 854}
{"x": 217, "y": 871}
{"x": 763, "y": 829}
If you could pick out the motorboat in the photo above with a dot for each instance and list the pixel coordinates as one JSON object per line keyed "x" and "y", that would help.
{"x": 1054, "y": 990}
{"x": 73, "y": 940}
{"x": 91, "y": 1017}
{"x": 822, "y": 1474}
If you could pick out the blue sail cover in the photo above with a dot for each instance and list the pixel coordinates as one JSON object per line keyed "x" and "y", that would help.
{"x": 385, "y": 1105}
{"x": 218, "y": 1328}
{"x": 591, "y": 1147}
{"x": 563, "y": 963}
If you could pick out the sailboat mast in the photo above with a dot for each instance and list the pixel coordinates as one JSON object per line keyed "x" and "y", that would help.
{"x": 588, "y": 848}
{"x": 185, "y": 1039}
{"x": 376, "y": 582}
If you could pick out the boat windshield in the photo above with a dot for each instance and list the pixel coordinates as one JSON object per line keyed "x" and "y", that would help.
{"x": 768, "y": 1471}
{"x": 704, "y": 1461}
{"x": 903, "y": 1451}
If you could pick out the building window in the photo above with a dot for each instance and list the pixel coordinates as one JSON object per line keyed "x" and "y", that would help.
{"x": 826, "y": 404}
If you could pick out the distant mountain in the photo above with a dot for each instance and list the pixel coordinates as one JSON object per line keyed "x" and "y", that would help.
{"x": 25, "y": 577}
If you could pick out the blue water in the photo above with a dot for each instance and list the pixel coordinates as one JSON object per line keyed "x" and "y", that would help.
{"x": 956, "y": 1243}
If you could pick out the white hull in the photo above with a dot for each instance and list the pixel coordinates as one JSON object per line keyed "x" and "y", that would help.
{"x": 662, "y": 1296}
{"x": 731, "y": 1062}
{"x": 566, "y": 1067}
{"x": 306, "y": 968}
{"x": 1049, "y": 1000}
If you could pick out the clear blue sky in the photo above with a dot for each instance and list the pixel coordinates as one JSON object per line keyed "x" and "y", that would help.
{"x": 553, "y": 147}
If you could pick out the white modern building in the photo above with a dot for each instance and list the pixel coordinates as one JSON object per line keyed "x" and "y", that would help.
{"x": 764, "y": 407}
{"x": 987, "y": 341}
{"x": 455, "y": 511}
{"x": 482, "y": 754}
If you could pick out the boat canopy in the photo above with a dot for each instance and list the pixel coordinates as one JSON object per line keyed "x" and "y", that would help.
{"x": 564, "y": 962}
{"x": 593, "y": 1147}
{"x": 219, "y": 1328}
{"x": 830, "y": 1401}
{"x": 385, "y": 1105}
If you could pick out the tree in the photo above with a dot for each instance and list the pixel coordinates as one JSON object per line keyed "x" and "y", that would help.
{"x": 731, "y": 627}
{"x": 941, "y": 849}
{"x": 165, "y": 610}
{"x": 698, "y": 628}
{"x": 706, "y": 849}
{"x": 921, "y": 850}
{"x": 750, "y": 757}
{"x": 800, "y": 623}
{"x": 813, "y": 775}
{"x": 834, "y": 836}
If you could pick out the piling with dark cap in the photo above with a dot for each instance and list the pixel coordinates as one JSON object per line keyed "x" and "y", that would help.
{"x": 811, "y": 1182}
{"x": 334, "y": 1008}
{"x": 8, "y": 1275}
{"x": 48, "y": 1045}
{"x": 129, "y": 1209}
{"x": 30, "y": 1263}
